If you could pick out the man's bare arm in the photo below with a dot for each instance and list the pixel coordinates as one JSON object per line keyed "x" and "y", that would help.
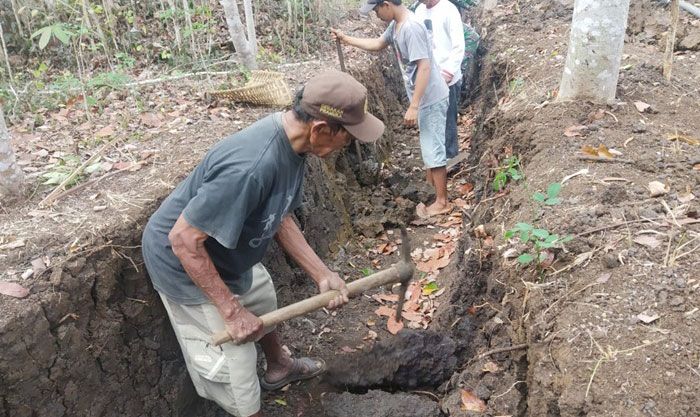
{"x": 295, "y": 245}
{"x": 188, "y": 245}
{"x": 368, "y": 44}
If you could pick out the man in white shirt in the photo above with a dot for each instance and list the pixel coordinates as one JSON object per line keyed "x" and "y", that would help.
{"x": 444, "y": 23}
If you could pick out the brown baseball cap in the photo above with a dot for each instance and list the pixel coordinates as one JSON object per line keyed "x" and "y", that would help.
{"x": 336, "y": 96}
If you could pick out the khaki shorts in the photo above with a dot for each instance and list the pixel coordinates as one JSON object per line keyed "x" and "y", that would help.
{"x": 225, "y": 374}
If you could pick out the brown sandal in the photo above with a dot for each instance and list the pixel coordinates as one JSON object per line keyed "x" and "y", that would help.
{"x": 302, "y": 368}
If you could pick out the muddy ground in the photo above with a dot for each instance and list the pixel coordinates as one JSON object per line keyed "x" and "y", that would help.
{"x": 607, "y": 325}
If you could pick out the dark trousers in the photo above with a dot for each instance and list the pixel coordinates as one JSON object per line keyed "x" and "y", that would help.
{"x": 451, "y": 140}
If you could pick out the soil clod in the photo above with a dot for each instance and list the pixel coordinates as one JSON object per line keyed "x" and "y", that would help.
{"x": 408, "y": 360}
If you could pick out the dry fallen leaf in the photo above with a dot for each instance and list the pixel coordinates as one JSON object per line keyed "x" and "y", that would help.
{"x": 105, "y": 131}
{"x": 393, "y": 325}
{"x": 648, "y": 241}
{"x": 601, "y": 151}
{"x": 13, "y": 290}
{"x": 371, "y": 335}
{"x": 348, "y": 349}
{"x": 576, "y": 130}
{"x": 442, "y": 238}
{"x": 490, "y": 367}
{"x": 385, "y": 311}
{"x": 13, "y": 245}
{"x": 683, "y": 138}
{"x": 151, "y": 120}
{"x": 657, "y": 188}
{"x": 480, "y": 231}
{"x": 642, "y": 106}
{"x": 471, "y": 402}
{"x": 686, "y": 198}
{"x": 647, "y": 319}
{"x": 466, "y": 188}
{"x": 411, "y": 316}
{"x": 392, "y": 298}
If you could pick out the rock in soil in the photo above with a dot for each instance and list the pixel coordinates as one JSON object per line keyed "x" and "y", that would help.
{"x": 408, "y": 360}
{"x": 379, "y": 404}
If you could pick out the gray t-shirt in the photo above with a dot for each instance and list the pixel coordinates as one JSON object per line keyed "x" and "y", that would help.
{"x": 245, "y": 185}
{"x": 411, "y": 44}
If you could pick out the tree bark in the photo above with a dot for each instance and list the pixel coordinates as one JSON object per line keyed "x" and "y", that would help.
{"x": 595, "y": 50}
{"x": 238, "y": 36}
{"x": 11, "y": 176}
{"x": 250, "y": 26}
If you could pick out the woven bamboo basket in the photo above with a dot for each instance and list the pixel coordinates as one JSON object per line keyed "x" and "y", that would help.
{"x": 265, "y": 88}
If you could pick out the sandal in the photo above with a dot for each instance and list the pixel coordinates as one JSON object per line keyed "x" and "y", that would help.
{"x": 302, "y": 368}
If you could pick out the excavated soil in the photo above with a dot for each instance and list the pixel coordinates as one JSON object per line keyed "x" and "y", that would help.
{"x": 609, "y": 326}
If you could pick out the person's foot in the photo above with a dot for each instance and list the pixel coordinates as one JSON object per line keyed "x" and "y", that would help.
{"x": 298, "y": 369}
{"x": 434, "y": 209}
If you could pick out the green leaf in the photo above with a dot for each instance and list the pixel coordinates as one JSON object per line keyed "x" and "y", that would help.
{"x": 430, "y": 288}
{"x": 62, "y": 34}
{"x": 541, "y": 233}
{"x": 553, "y": 189}
{"x": 366, "y": 272}
{"x": 524, "y": 236}
{"x": 567, "y": 238}
{"x": 525, "y": 258}
{"x": 499, "y": 181}
{"x": 97, "y": 166}
{"x": 553, "y": 201}
{"x": 281, "y": 401}
{"x": 515, "y": 174}
{"x": 551, "y": 238}
{"x": 509, "y": 233}
{"x": 544, "y": 245}
{"x": 524, "y": 226}
{"x": 539, "y": 197}
{"x": 45, "y": 36}
{"x": 54, "y": 178}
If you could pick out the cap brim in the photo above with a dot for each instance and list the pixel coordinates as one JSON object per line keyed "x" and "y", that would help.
{"x": 367, "y": 131}
{"x": 366, "y": 8}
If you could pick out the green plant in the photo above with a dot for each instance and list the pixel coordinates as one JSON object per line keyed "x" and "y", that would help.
{"x": 65, "y": 166}
{"x": 551, "y": 198}
{"x": 515, "y": 85}
{"x": 510, "y": 169}
{"x": 58, "y": 30}
{"x": 366, "y": 272}
{"x": 538, "y": 241}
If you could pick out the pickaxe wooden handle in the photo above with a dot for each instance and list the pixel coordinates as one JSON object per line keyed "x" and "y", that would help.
{"x": 401, "y": 272}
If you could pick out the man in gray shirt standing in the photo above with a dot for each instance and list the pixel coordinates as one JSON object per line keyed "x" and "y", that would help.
{"x": 426, "y": 89}
{"x": 203, "y": 246}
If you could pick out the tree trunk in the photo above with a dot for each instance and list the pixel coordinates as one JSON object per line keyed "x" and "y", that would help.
{"x": 238, "y": 36}
{"x": 250, "y": 26}
{"x": 11, "y": 176}
{"x": 595, "y": 50}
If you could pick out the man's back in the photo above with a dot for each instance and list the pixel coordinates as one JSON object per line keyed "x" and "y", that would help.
{"x": 237, "y": 195}
{"x": 411, "y": 43}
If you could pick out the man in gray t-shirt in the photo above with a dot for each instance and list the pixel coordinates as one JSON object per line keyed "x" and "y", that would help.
{"x": 203, "y": 246}
{"x": 426, "y": 89}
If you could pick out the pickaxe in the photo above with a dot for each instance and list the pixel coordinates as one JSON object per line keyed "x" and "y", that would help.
{"x": 401, "y": 273}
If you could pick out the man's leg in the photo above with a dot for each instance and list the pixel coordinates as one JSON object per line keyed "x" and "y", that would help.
{"x": 451, "y": 138}
{"x": 439, "y": 176}
{"x": 281, "y": 367}
{"x": 432, "y": 140}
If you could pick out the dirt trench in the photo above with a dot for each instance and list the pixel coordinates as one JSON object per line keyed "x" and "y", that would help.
{"x": 93, "y": 338}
